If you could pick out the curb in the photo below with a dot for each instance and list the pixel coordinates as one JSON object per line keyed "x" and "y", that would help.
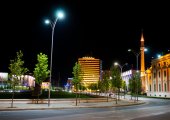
{"x": 73, "y": 107}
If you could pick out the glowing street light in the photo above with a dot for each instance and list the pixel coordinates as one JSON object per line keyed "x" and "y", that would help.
{"x": 159, "y": 55}
{"x": 120, "y": 66}
{"x": 137, "y": 56}
{"x": 59, "y": 15}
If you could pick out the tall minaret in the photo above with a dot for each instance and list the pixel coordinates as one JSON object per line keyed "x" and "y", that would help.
{"x": 142, "y": 50}
{"x": 142, "y": 69}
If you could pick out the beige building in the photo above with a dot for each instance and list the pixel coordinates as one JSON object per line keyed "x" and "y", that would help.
{"x": 91, "y": 70}
{"x": 158, "y": 77}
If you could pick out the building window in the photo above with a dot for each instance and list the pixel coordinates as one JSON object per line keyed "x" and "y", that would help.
{"x": 164, "y": 63}
{"x": 165, "y": 86}
{"x": 159, "y": 87}
{"x": 150, "y": 88}
{"x": 154, "y": 75}
{"x": 154, "y": 67}
{"x": 159, "y": 65}
{"x": 154, "y": 87}
{"x": 165, "y": 73}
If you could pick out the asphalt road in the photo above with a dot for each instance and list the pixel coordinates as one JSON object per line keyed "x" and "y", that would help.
{"x": 154, "y": 109}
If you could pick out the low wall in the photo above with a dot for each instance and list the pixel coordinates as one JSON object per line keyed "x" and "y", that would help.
{"x": 159, "y": 94}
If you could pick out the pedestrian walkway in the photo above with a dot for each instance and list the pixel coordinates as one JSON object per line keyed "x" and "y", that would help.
{"x": 28, "y": 104}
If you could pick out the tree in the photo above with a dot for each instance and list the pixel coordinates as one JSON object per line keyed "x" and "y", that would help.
{"x": 82, "y": 87}
{"x": 93, "y": 87}
{"x": 135, "y": 84}
{"x": 41, "y": 72}
{"x": 16, "y": 70}
{"x": 124, "y": 87}
{"x": 77, "y": 77}
{"x": 100, "y": 86}
{"x": 131, "y": 86}
{"x": 106, "y": 83}
{"x": 138, "y": 84}
{"x": 116, "y": 79}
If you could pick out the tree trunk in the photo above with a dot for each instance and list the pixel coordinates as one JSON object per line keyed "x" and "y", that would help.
{"x": 79, "y": 96}
{"x": 116, "y": 95}
{"x": 37, "y": 92}
{"x": 108, "y": 97}
{"x": 12, "y": 98}
{"x": 76, "y": 94}
{"x": 76, "y": 97}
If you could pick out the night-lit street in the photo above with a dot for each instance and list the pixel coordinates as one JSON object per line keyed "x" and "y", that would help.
{"x": 157, "y": 109}
{"x": 84, "y": 60}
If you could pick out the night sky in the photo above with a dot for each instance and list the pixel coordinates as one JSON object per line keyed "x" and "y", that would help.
{"x": 103, "y": 29}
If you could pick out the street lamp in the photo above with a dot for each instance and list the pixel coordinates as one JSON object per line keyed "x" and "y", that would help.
{"x": 59, "y": 15}
{"x": 121, "y": 68}
{"x": 137, "y": 56}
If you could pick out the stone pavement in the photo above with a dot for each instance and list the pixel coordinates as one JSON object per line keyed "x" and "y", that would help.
{"x": 28, "y": 104}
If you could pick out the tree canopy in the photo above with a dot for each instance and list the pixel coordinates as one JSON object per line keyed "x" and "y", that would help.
{"x": 41, "y": 71}
{"x": 77, "y": 78}
{"x": 17, "y": 69}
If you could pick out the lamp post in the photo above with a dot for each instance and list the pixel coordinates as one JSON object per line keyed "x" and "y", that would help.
{"x": 137, "y": 69}
{"x": 137, "y": 56}
{"x": 59, "y": 15}
{"x": 121, "y": 69}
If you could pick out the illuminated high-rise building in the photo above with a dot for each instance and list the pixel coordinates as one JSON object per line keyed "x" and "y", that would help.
{"x": 91, "y": 70}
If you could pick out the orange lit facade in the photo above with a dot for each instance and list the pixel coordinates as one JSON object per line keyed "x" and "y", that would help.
{"x": 91, "y": 70}
{"x": 142, "y": 60}
{"x": 158, "y": 77}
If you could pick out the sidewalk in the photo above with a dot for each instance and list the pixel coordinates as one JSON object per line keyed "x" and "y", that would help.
{"x": 28, "y": 104}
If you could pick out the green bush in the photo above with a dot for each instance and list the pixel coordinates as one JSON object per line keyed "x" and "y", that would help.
{"x": 44, "y": 95}
{"x": 17, "y": 95}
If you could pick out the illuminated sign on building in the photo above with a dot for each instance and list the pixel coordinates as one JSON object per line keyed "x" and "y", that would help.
{"x": 45, "y": 85}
